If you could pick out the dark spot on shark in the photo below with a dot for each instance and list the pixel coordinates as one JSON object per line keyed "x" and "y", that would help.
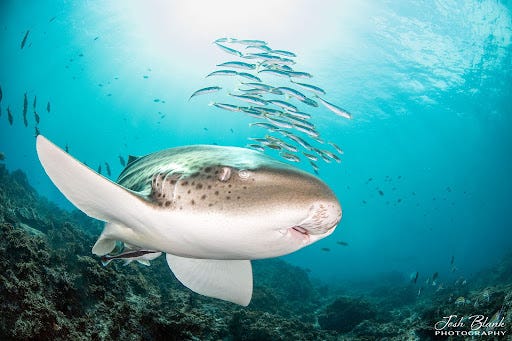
{"x": 167, "y": 203}
{"x": 203, "y": 197}
{"x": 184, "y": 183}
{"x": 208, "y": 170}
{"x": 199, "y": 186}
{"x": 228, "y": 197}
{"x": 216, "y": 192}
{"x": 192, "y": 202}
{"x": 209, "y": 186}
{"x": 188, "y": 192}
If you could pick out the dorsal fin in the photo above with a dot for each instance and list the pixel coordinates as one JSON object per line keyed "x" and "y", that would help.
{"x": 132, "y": 158}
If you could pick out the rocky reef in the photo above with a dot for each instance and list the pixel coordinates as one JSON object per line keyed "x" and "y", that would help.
{"x": 52, "y": 287}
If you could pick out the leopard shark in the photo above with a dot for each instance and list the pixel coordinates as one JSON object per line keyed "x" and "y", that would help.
{"x": 211, "y": 210}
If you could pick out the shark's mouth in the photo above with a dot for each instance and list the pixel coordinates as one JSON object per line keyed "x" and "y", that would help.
{"x": 300, "y": 230}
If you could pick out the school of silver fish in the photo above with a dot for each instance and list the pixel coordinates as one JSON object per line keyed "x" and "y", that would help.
{"x": 271, "y": 91}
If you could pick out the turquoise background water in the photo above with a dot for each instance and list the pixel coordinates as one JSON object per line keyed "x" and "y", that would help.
{"x": 429, "y": 84}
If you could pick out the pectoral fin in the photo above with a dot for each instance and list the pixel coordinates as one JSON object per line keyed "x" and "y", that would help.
{"x": 229, "y": 280}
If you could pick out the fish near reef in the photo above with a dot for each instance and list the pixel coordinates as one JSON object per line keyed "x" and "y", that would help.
{"x": 202, "y": 206}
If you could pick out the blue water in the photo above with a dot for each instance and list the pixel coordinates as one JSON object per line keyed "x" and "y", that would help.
{"x": 429, "y": 84}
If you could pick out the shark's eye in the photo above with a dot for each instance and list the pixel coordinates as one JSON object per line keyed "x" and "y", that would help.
{"x": 244, "y": 174}
{"x": 224, "y": 174}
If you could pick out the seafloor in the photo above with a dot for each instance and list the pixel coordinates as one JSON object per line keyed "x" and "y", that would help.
{"x": 53, "y": 288}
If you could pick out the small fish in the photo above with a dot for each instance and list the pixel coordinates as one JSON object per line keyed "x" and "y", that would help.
{"x": 259, "y": 47}
{"x": 256, "y": 147}
{"x": 453, "y": 260}
{"x": 238, "y": 65}
{"x": 36, "y": 131}
{"x": 381, "y": 192}
{"x": 290, "y": 157}
{"x": 207, "y": 90}
{"x": 25, "y": 104}
{"x": 52, "y": 19}
{"x": 261, "y": 86}
{"x": 273, "y": 146}
{"x": 419, "y": 291}
{"x": 268, "y": 126}
{"x": 249, "y": 76}
{"x": 251, "y": 42}
{"x": 36, "y": 117}
{"x": 332, "y": 156}
{"x": 278, "y": 73}
{"x": 226, "y": 106}
{"x": 24, "y": 41}
{"x": 1, "y": 94}
{"x": 337, "y": 110}
{"x": 299, "y": 74}
{"x": 284, "y": 53}
{"x": 34, "y": 103}
{"x": 9, "y": 115}
{"x": 99, "y": 169}
{"x": 229, "y": 50}
{"x": 312, "y": 88}
{"x": 298, "y": 114}
{"x": 141, "y": 256}
{"x": 121, "y": 161}
{"x": 223, "y": 73}
{"x": 283, "y": 104}
{"x": 435, "y": 276}
{"x": 250, "y": 99}
{"x": 414, "y": 277}
{"x": 326, "y": 249}
{"x": 107, "y": 166}
{"x": 342, "y": 243}
{"x": 335, "y": 146}
{"x": 314, "y": 165}
{"x": 306, "y": 130}
{"x": 310, "y": 102}
{"x": 48, "y": 107}
{"x": 279, "y": 123}
{"x": 310, "y": 156}
{"x": 263, "y": 55}
{"x": 66, "y": 148}
{"x": 291, "y": 92}
{"x": 2, "y": 156}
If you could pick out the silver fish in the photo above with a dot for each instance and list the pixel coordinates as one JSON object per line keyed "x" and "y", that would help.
{"x": 310, "y": 156}
{"x": 238, "y": 65}
{"x": 249, "y": 76}
{"x": 338, "y": 149}
{"x": 207, "y": 90}
{"x": 265, "y": 125}
{"x": 251, "y": 42}
{"x": 223, "y": 73}
{"x": 314, "y": 89}
{"x": 250, "y": 99}
{"x": 226, "y": 106}
{"x": 279, "y": 73}
{"x": 291, "y": 92}
{"x": 256, "y": 147}
{"x": 284, "y": 53}
{"x": 290, "y": 157}
{"x": 229, "y": 50}
{"x": 299, "y": 74}
{"x": 279, "y": 123}
{"x": 335, "y": 109}
{"x": 283, "y": 104}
